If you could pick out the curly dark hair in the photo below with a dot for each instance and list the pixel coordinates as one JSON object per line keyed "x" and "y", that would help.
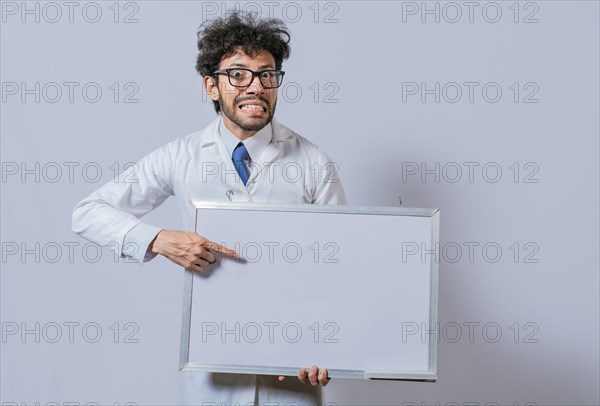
{"x": 219, "y": 38}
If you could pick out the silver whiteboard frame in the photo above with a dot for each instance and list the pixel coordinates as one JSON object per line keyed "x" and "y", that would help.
{"x": 427, "y": 376}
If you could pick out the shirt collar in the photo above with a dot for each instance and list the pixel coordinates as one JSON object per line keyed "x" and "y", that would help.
{"x": 255, "y": 144}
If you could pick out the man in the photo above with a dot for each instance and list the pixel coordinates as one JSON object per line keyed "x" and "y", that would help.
{"x": 241, "y": 156}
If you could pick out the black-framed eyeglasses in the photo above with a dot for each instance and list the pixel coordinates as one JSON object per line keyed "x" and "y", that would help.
{"x": 241, "y": 77}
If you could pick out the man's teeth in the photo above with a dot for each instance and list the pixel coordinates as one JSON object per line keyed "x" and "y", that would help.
{"x": 252, "y": 107}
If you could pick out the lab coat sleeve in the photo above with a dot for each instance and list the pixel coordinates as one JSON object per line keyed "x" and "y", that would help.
{"x": 110, "y": 216}
{"x": 329, "y": 189}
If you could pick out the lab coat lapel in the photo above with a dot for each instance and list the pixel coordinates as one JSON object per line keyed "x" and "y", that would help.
{"x": 231, "y": 178}
{"x": 270, "y": 154}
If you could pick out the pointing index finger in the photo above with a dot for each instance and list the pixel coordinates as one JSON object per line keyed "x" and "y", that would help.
{"x": 223, "y": 250}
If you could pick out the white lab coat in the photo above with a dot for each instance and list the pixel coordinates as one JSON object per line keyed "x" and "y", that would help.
{"x": 199, "y": 167}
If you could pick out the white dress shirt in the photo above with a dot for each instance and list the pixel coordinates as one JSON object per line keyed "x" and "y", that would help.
{"x": 284, "y": 168}
{"x": 255, "y": 145}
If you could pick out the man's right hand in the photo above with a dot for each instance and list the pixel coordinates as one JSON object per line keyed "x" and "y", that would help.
{"x": 188, "y": 249}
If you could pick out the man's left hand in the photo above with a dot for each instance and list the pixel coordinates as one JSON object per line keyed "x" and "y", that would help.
{"x": 314, "y": 375}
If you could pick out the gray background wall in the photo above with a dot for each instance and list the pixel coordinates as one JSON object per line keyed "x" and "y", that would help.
{"x": 385, "y": 87}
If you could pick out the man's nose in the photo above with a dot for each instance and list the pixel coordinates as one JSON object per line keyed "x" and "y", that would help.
{"x": 255, "y": 86}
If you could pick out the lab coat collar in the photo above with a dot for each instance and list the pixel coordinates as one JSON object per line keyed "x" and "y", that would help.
{"x": 280, "y": 133}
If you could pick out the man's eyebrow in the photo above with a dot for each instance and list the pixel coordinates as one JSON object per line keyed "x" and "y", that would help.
{"x": 261, "y": 67}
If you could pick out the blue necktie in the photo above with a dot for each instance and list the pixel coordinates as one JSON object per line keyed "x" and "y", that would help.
{"x": 240, "y": 154}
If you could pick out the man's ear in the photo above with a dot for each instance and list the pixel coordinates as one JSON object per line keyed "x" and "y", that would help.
{"x": 211, "y": 87}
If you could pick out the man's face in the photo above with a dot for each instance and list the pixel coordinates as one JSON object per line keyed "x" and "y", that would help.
{"x": 245, "y": 110}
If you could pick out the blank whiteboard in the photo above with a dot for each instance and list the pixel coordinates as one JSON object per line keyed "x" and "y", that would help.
{"x": 348, "y": 288}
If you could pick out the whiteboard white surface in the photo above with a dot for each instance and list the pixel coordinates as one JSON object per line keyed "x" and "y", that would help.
{"x": 335, "y": 286}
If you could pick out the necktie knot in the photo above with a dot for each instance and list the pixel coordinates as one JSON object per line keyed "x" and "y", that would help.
{"x": 239, "y": 156}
